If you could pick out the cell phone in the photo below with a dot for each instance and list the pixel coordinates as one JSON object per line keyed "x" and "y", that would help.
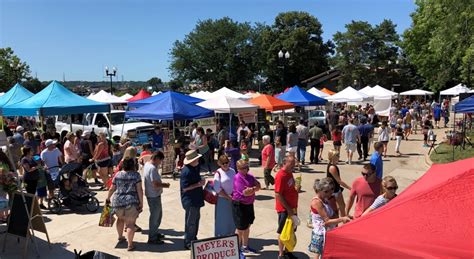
{"x": 36, "y": 158}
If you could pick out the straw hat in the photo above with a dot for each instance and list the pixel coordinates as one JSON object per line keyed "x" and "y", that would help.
{"x": 191, "y": 155}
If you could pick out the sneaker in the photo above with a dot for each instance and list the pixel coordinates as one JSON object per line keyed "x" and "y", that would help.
{"x": 247, "y": 250}
{"x": 43, "y": 207}
{"x": 187, "y": 247}
{"x": 97, "y": 181}
{"x": 160, "y": 236}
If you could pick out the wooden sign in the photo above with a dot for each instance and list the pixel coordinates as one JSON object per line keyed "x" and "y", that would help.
{"x": 25, "y": 218}
{"x": 216, "y": 248}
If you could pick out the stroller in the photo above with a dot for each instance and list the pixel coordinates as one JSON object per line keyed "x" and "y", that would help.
{"x": 73, "y": 190}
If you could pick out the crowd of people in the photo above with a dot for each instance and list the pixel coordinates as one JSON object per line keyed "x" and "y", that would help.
{"x": 123, "y": 168}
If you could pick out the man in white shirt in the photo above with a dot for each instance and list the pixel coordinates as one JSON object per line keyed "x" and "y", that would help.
{"x": 52, "y": 158}
{"x": 247, "y": 133}
{"x": 303, "y": 136}
{"x": 153, "y": 190}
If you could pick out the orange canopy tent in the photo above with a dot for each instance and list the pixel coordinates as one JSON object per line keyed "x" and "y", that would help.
{"x": 140, "y": 96}
{"x": 270, "y": 103}
{"x": 325, "y": 90}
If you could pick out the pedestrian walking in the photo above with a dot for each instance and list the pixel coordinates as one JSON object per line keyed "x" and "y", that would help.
{"x": 332, "y": 171}
{"x": 365, "y": 189}
{"x": 350, "y": 137}
{"x": 268, "y": 161}
{"x": 384, "y": 136}
{"x": 315, "y": 134}
{"x": 376, "y": 159}
{"x": 303, "y": 136}
{"x": 224, "y": 186}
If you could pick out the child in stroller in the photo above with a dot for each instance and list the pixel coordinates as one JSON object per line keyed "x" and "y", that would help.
{"x": 73, "y": 190}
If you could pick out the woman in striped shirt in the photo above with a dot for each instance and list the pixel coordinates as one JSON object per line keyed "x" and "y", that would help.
{"x": 390, "y": 186}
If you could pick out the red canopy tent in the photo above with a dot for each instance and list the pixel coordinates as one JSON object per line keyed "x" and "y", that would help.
{"x": 140, "y": 96}
{"x": 271, "y": 103}
{"x": 432, "y": 218}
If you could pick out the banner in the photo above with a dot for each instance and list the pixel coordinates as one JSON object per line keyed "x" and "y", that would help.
{"x": 216, "y": 248}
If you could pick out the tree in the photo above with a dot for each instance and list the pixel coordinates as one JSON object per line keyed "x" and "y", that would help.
{"x": 12, "y": 69}
{"x": 216, "y": 53}
{"x": 299, "y": 33}
{"x": 440, "y": 42}
{"x": 367, "y": 55}
{"x": 34, "y": 85}
{"x": 156, "y": 83}
{"x": 175, "y": 85}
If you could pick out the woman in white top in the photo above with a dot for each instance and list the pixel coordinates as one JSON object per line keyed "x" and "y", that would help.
{"x": 71, "y": 153}
{"x": 223, "y": 185}
{"x": 321, "y": 213}
{"x": 384, "y": 136}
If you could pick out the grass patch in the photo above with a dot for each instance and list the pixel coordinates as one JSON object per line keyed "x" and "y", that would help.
{"x": 445, "y": 152}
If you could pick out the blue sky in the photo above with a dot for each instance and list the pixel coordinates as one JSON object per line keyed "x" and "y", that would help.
{"x": 80, "y": 37}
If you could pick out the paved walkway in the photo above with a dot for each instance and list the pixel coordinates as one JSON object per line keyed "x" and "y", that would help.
{"x": 79, "y": 230}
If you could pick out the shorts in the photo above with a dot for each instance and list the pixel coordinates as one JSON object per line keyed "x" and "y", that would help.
{"x": 350, "y": 147}
{"x": 292, "y": 149}
{"x": 243, "y": 215}
{"x": 321, "y": 146}
{"x": 128, "y": 213}
{"x": 317, "y": 243}
{"x": 336, "y": 194}
{"x": 393, "y": 125}
{"x": 384, "y": 142}
{"x": 407, "y": 126}
{"x": 30, "y": 186}
{"x": 41, "y": 192}
{"x": 337, "y": 143}
{"x": 282, "y": 216}
{"x": 437, "y": 119}
{"x": 104, "y": 163}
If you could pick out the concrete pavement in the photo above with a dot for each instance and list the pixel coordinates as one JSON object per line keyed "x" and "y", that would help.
{"x": 80, "y": 230}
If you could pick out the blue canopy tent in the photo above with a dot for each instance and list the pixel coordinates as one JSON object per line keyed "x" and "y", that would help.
{"x": 465, "y": 106}
{"x": 55, "y": 99}
{"x": 169, "y": 108}
{"x": 300, "y": 97}
{"x": 15, "y": 95}
{"x": 163, "y": 96}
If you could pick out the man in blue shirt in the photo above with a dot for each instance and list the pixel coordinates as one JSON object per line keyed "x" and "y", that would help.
{"x": 157, "y": 138}
{"x": 192, "y": 196}
{"x": 437, "y": 115}
{"x": 376, "y": 159}
{"x": 366, "y": 131}
{"x": 403, "y": 110}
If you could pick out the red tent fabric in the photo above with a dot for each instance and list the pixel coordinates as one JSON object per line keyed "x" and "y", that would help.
{"x": 432, "y": 218}
{"x": 140, "y": 96}
{"x": 271, "y": 103}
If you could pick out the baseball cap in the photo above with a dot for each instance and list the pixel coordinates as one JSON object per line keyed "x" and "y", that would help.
{"x": 49, "y": 142}
{"x": 20, "y": 128}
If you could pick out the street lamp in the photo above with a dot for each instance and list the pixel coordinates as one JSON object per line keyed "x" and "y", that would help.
{"x": 283, "y": 58}
{"x": 208, "y": 72}
{"x": 393, "y": 70}
{"x": 110, "y": 74}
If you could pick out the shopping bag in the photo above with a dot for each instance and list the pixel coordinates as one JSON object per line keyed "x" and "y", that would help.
{"x": 210, "y": 195}
{"x": 287, "y": 236}
{"x": 107, "y": 218}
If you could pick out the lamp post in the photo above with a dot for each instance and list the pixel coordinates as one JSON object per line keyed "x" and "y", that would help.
{"x": 393, "y": 70}
{"x": 208, "y": 73}
{"x": 283, "y": 58}
{"x": 110, "y": 74}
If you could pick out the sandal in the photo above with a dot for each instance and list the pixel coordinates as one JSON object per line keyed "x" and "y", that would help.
{"x": 122, "y": 239}
{"x": 130, "y": 248}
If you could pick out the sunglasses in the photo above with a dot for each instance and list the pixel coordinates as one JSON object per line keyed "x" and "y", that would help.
{"x": 245, "y": 168}
{"x": 365, "y": 174}
{"x": 225, "y": 163}
{"x": 394, "y": 188}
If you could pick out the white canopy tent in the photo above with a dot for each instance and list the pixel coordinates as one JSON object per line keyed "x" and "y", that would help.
{"x": 417, "y": 92}
{"x": 155, "y": 93}
{"x": 252, "y": 95}
{"x": 366, "y": 90}
{"x": 105, "y": 97}
{"x": 456, "y": 90}
{"x": 349, "y": 95}
{"x": 201, "y": 95}
{"x": 318, "y": 93}
{"x": 125, "y": 97}
{"x": 228, "y": 104}
{"x": 379, "y": 91}
{"x": 226, "y": 92}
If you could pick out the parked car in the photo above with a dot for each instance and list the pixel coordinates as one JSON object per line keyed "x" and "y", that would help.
{"x": 115, "y": 124}
{"x": 319, "y": 116}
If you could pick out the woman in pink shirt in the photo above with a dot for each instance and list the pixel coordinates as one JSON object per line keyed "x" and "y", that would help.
{"x": 268, "y": 161}
{"x": 243, "y": 197}
{"x": 71, "y": 153}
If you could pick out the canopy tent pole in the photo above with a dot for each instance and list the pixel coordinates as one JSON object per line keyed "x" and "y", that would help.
{"x": 41, "y": 123}
{"x": 70, "y": 122}
{"x": 230, "y": 125}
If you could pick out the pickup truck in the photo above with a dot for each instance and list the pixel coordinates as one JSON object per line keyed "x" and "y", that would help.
{"x": 102, "y": 122}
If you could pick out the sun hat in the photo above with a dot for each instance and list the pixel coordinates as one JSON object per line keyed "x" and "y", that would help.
{"x": 49, "y": 142}
{"x": 86, "y": 133}
{"x": 191, "y": 155}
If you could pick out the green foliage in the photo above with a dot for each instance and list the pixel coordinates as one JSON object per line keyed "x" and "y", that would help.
{"x": 216, "y": 53}
{"x": 175, "y": 85}
{"x": 368, "y": 54}
{"x": 440, "y": 42}
{"x": 299, "y": 33}
{"x": 34, "y": 85}
{"x": 156, "y": 83}
{"x": 12, "y": 69}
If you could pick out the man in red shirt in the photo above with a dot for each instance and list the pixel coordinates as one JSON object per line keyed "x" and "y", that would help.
{"x": 268, "y": 161}
{"x": 366, "y": 189}
{"x": 286, "y": 199}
